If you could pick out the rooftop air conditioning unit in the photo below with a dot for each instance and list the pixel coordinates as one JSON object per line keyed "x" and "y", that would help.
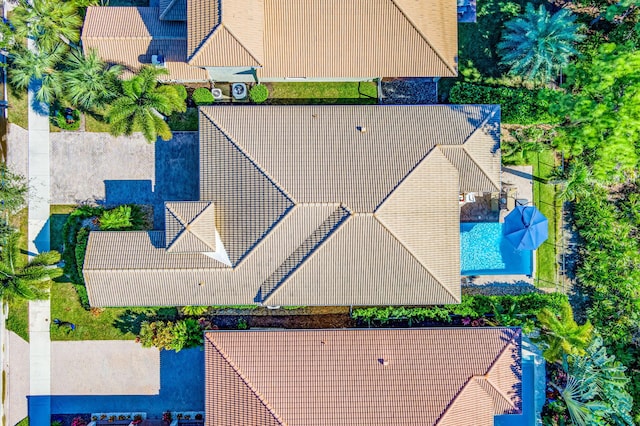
{"x": 158, "y": 61}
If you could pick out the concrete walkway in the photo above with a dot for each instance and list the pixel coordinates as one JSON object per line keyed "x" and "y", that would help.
{"x": 38, "y": 241}
{"x": 17, "y": 375}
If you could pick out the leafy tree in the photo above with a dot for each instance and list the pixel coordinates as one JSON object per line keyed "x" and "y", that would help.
{"x": 13, "y": 190}
{"x": 144, "y": 105}
{"x": 89, "y": 82}
{"x": 167, "y": 335}
{"x": 116, "y": 219}
{"x": 603, "y": 112}
{"x": 537, "y": 45}
{"x": 47, "y": 22}
{"x": 27, "y": 67}
{"x": 29, "y": 281}
{"x": 560, "y": 334}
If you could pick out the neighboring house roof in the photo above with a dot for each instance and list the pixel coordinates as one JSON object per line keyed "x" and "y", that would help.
{"x": 315, "y": 205}
{"x": 173, "y": 10}
{"x": 447, "y": 376}
{"x": 289, "y": 38}
{"x": 131, "y": 35}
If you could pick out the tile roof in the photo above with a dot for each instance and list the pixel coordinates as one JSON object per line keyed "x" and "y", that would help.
{"x": 173, "y": 10}
{"x": 290, "y": 38}
{"x": 451, "y": 376}
{"x": 339, "y": 203}
{"x": 131, "y": 35}
{"x": 190, "y": 227}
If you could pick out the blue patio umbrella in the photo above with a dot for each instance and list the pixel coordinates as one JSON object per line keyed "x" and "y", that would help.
{"x": 525, "y": 228}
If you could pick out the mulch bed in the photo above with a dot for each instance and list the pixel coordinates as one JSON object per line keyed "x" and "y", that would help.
{"x": 67, "y": 419}
{"x": 226, "y": 322}
{"x": 409, "y": 91}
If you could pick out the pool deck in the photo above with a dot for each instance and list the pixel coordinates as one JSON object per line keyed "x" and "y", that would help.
{"x": 518, "y": 182}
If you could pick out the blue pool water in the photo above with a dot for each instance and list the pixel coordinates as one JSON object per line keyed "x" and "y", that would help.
{"x": 483, "y": 251}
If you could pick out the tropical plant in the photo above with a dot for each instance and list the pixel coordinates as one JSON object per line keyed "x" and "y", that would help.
{"x": 116, "y": 219}
{"x": 47, "y": 22}
{"x": 194, "y": 310}
{"x": 142, "y": 105}
{"x": 25, "y": 281}
{"x": 538, "y": 45}
{"x": 90, "y": 83}
{"x": 168, "y": 335}
{"x": 595, "y": 392}
{"x": 576, "y": 182}
{"x": 37, "y": 68}
{"x": 187, "y": 334}
{"x": 259, "y": 93}
{"x": 560, "y": 334}
{"x": 13, "y": 190}
{"x": 202, "y": 96}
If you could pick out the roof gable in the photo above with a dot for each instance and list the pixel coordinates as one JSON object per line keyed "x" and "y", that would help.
{"x": 363, "y": 377}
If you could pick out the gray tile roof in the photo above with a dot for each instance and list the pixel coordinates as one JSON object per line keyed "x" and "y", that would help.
{"x": 312, "y": 210}
{"x": 173, "y": 10}
{"x": 190, "y": 227}
{"x": 367, "y": 377}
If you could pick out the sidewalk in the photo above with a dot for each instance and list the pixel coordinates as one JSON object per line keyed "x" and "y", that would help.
{"x": 38, "y": 241}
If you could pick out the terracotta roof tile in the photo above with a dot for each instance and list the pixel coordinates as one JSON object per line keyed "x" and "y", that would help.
{"x": 359, "y": 377}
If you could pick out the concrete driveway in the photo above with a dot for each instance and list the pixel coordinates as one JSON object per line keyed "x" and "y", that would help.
{"x": 97, "y": 167}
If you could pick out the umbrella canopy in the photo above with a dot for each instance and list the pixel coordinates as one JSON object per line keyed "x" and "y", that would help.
{"x": 526, "y": 228}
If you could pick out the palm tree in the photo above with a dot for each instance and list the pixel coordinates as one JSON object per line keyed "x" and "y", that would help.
{"x": 89, "y": 82}
{"x": 27, "y": 67}
{"x": 560, "y": 335}
{"x": 538, "y": 45}
{"x": 143, "y": 105}
{"x": 30, "y": 281}
{"x": 47, "y": 22}
{"x": 577, "y": 182}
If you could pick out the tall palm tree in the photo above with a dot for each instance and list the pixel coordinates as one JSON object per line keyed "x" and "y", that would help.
{"x": 537, "y": 45}
{"x": 577, "y": 182}
{"x": 25, "y": 281}
{"x": 47, "y": 22}
{"x": 88, "y": 81}
{"x": 143, "y": 105}
{"x": 27, "y": 67}
{"x": 561, "y": 335}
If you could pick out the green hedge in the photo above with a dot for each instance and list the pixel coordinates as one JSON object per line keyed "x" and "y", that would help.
{"x": 518, "y": 105}
{"x": 202, "y": 96}
{"x": 259, "y": 93}
{"x": 504, "y": 310}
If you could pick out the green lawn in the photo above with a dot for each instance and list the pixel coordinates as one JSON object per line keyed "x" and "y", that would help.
{"x": 18, "y": 108}
{"x": 18, "y": 318}
{"x": 23, "y": 422}
{"x": 545, "y": 199}
{"x": 95, "y": 123}
{"x": 59, "y": 214}
{"x": 323, "y": 92}
{"x": 96, "y": 324}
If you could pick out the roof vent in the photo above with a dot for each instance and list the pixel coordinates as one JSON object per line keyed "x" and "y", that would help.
{"x": 383, "y": 362}
{"x": 158, "y": 61}
{"x": 314, "y": 115}
{"x": 362, "y": 129}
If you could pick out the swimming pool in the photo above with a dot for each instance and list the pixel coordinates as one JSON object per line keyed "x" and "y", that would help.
{"x": 483, "y": 251}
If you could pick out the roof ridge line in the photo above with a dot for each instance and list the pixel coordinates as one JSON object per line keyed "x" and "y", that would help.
{"x": 203, "y": 42}
{"x": 171, "y": 3}
{"x": 503, "y": 351}
{"x": 474, "y": 133}
{"x": 415, "y": 27}
{"x": 417, "y": 260}
{"x": 182, "y": 231}
{"x": 315, "y": 249}
{"x": 245, "y": 380}
{"x": 498, "y": 391}
{"x": 242, "y": 44}
{"x": 253, "y": 161}
{"x": 194, "y": 221}
{"x": 397, "y": 185}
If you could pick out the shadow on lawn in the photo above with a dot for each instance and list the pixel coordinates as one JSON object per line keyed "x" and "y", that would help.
{"x": 130, "y": 321}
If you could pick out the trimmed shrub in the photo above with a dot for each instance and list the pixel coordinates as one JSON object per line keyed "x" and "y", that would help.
{"x": 66, "y": 119}
{"x": 259, "y": 93}
{"x": 202, "y": 96}
{"x": 182, "y": 91}
{"x": 518, "y": 105}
